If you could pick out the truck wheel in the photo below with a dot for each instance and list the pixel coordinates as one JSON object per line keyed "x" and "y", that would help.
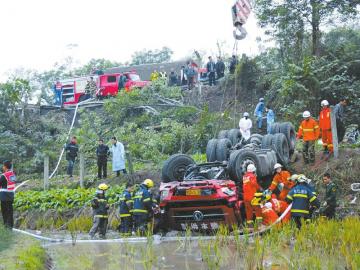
{"x": 275, "y": 128}
{"x": 223, "y": 147}
{"x": 239, "y": 161}
{"x": 266, "y": 142}
{"x": 281, "y": 148}
{"x": 223, "y": 134}
{"x": 211, "y": 150}
{"x": 234, "y": 135}
{"x": 174, "y": 167}
{"x": 256, "y": 139}
{"x": 234, "y": 175}
{"x": 288, "y": 130}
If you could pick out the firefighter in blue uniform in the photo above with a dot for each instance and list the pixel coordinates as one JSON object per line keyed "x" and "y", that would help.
{"x": 100, "y": 209}
{"x": 142, "y": 206}
{"x": 125, "y": 209}
{"x": 303, "y": 201}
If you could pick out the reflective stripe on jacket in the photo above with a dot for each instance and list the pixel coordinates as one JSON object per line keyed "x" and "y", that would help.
{"x": 142, "y": 201}
{"x": 301, "y": 198}
{"x": 309, "y": 130}
{"x": 126, "y": 203}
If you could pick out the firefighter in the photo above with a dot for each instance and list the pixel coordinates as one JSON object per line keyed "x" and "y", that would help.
{"x": 7, "y": 194}
{"x": 250, "y": 186}
{"x": 279, "y": 207}
{"x": 325, "y": 127}
{"x": 125, "y": 209}
{"x": 100, "y": 210}
{"x": 328, "y": 207}
{"x": 281, "y": 182}
{"x": 309, "y": 131}
{"x": 268, "y": 214}
{"x": 142, "y": 206}
{"x": 303, "y": 200}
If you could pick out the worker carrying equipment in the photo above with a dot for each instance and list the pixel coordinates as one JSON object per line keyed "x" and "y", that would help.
{"x": 303, "y": 200}
{"x": 250, "y": 187}
{"x": 100, "y": 210}
{"x": 281, "y": 182}
{"x": 125, "y": 207}
{"x": 142, "y": 206}
{"x": 325, "y": 127}
{"x": 309, "y": 131}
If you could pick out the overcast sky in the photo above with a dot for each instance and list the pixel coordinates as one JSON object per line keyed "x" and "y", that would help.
{"x": 36, "y": 33}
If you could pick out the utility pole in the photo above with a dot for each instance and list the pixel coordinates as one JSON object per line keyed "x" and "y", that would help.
{"x": 82, "y": 169}
{"x": 46, "y": 172}
{"x": 334, "y": 133}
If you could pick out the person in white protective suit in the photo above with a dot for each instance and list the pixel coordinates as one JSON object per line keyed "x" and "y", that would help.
{"x": 245, "y": 125}
{"x": 118, "y": 156}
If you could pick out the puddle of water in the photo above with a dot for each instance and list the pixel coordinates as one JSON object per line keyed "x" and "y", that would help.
{"x": 175, "y": 255}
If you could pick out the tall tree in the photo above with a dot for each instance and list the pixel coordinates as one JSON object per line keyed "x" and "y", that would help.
{"x": 289, "y": 19}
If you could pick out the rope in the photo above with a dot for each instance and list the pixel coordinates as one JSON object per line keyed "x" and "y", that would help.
{"x": 235, "y": 84}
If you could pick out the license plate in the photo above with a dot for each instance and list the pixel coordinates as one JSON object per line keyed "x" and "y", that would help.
{"x": 192, "y": 192}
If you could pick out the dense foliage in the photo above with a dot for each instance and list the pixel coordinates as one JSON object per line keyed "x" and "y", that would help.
{"x": 61, "y": 199}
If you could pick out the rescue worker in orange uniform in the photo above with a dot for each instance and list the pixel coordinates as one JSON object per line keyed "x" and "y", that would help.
{"x": 250, "y": 186}
{"x": 269, "y": 214}
{"x": 279, "y": 207}
{"x": 325, "y": 127}
{"x": 281, "y": 182}
{"x": 309, "y": 132}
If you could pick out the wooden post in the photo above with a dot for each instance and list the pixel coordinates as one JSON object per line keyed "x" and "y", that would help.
{"x": 82, "y": 169}
{"x": 46, "y": 172}
{"x": 130, "y": 164}
{"x": 334, "y": 133}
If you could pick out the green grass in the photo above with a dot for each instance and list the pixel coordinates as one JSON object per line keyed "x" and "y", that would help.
{"x": 18, "y": 252}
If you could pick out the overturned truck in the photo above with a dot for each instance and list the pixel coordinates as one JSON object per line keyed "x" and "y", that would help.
{"x": 204, "y": 196}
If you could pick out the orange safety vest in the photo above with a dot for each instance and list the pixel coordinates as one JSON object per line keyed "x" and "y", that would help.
{"x": 309, "y": 130}
{"x": 325, "y": 119}
{"x": 250, "y": 186}
{"x": 280, "y": 178}
{"x": 11, "y": 179}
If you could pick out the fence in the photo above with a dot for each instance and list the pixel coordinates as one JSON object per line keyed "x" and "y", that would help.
{"x": 82, "y": 169}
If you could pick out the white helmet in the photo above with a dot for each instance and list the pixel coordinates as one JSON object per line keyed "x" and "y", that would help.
{"x": 277, "y": 166}
{"x": 306, "y": 114}
{"x": 246, "y": 114}
{"x": 251, "y": 168}
{"x": 324, "y": 103}
{"x": 261, "y": 99}
{"x": 302, "y": 179}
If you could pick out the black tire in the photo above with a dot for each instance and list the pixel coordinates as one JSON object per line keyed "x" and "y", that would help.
{"x": 266, "y": 142}
{"x": 275, "y": 128}
{"x": 288, "y": 130}
{"x": 281, "y": 148}
{"x": 223, "y": 148}
{"x": 234, "y": 135}
{"x": 211, "y": 150}
{"x": 223, "y": 134}
{"x": 256, "y": 139}
{"x": 239, "y": 160}
{"x": 174, "y": 168}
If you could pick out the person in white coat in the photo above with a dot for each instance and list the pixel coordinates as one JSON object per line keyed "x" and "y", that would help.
{"x": 245, "y": 125}
{"x": 118, "y": 156}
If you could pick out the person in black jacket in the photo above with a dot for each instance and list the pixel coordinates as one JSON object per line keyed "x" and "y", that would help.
{"x": 71, "y": 150}
{"x": 7, "y": 191}
{"x": 220, "y": 68}
{"x": 233, "y": 63}
{"x": 210, "y": 66}
{"x": 102, "y": 153}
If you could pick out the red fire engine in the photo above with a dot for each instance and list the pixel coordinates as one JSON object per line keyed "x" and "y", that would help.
{"x": 73, "y": 90}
